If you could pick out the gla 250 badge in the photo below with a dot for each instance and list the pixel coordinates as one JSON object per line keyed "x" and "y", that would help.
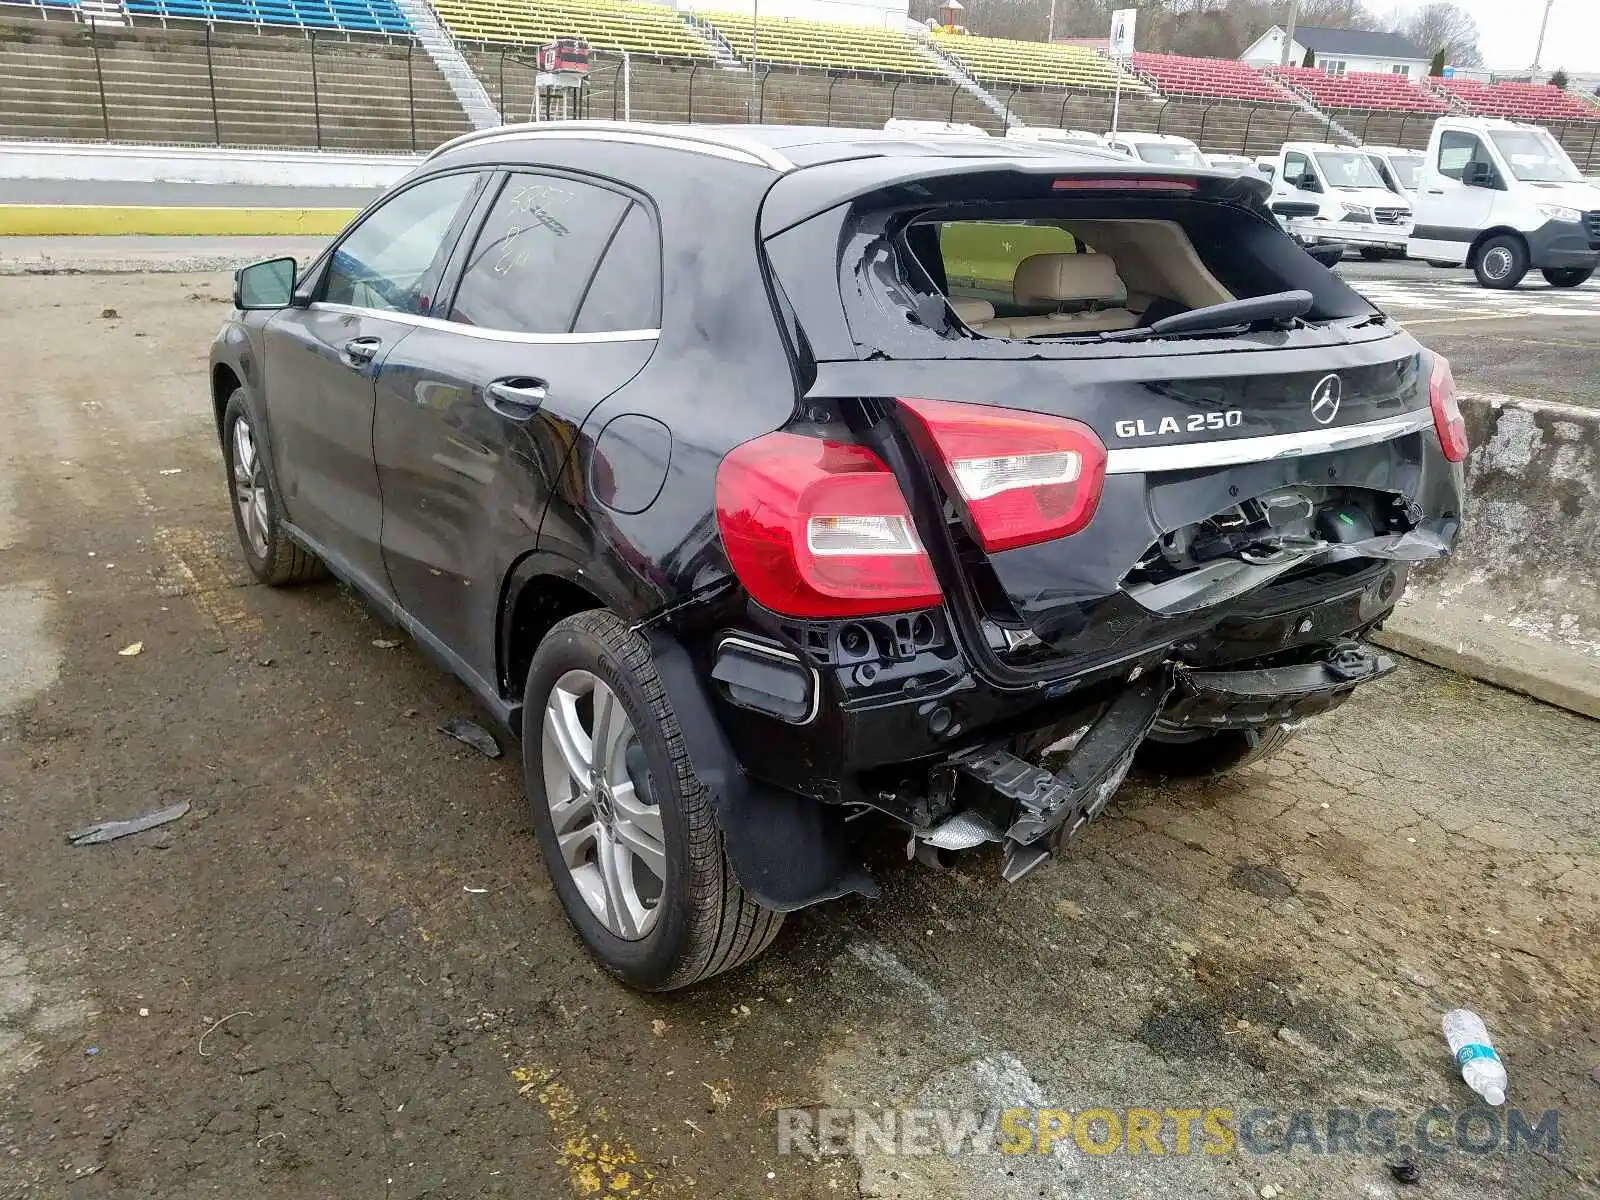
{"x": 1193, "y": 423}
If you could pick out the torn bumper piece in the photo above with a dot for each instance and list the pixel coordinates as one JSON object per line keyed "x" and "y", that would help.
{"x": 990, "y": 789}
{"x": 1271, "y": 695}
{"x": 1045, "y": 807}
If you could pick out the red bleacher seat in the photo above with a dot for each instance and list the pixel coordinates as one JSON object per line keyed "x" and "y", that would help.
{"x": 1361, "y": 89}
{"x": 1221, "y": 78}
{"x": 1521, "y": 101}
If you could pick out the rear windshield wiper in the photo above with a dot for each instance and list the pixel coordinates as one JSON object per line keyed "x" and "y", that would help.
{"x": 1280, "y": 306}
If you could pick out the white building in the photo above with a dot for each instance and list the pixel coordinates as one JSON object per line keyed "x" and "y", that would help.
{"x": 1342, "y": 51}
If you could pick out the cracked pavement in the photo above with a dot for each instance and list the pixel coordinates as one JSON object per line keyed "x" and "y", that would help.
{"x": 344, "y": 972}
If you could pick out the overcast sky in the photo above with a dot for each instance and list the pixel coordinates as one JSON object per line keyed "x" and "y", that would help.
{"x": 1510, "y": 29}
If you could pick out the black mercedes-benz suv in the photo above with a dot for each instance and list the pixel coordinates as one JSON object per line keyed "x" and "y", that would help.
{"x": 761, "y": 477}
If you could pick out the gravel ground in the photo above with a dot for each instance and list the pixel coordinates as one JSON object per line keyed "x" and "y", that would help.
{"x": 344, "y": 973}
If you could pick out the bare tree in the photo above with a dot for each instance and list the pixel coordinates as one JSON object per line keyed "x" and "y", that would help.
{"x": 1443, "y": 26}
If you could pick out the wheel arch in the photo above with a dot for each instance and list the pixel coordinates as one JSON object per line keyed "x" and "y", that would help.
{"x": 1496, "y": 231}
{"x": 224, "y": 382}
{"x": 540, "y": 589}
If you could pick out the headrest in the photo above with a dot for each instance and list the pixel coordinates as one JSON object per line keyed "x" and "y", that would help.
{"x": 973, "y": 312}
{"x": 1054, "y": 278}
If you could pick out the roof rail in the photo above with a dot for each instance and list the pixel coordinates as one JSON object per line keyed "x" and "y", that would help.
{"x": 724, "y": 143}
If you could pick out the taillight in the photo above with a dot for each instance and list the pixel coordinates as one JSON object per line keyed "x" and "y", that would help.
{"x": 820, "y": 529}
{"x": 1023, "y": 477}
{"x": 1447, "y": 420}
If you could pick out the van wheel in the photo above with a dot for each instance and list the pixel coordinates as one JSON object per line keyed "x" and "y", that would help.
{"x": 257, "y": 516}
{"x": 1501, "y": 261}
{"x": 625, "y": 827}
{"x": 1373, "y": 254}
{"x": 1566, "y": 277}
{"x": 1196, "y": 754}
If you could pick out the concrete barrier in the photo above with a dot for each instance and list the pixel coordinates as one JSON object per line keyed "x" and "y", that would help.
{"x": 1518, "y": 604}
{"x": 84, "y": 162}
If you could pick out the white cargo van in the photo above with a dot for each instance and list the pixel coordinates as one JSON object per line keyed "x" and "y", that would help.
{"x": 1352, "y": 204}
{"x": 1237, "y": 163}
{"x": 1164, "y": 149}
{"x": 1503, "y": 197}
{"x": 1399, "y": 169}
{"x": 933, "y": 128}
{"x": 1038, "y": 133}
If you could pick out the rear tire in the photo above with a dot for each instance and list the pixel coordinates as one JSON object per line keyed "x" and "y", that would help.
{"x": 1191, "y": 754}
{"x": 1373, "y": 254}
{"x": 1567, "y": 277}
{"x": 1500, "y": 262}
{"x": 257, "y": 516}
{"x": 654, "y": 932}
{"x": 1442, "y": 266}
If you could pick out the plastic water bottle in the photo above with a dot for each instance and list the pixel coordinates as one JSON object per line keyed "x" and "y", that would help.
{"x": 1480, "y": 1065}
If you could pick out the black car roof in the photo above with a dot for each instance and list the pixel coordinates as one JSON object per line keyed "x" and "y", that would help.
{"x": 785, "y": 148}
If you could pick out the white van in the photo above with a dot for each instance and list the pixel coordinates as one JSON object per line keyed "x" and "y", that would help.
{"x": 1352, "y": 205}
{"x": 933, "y": 128}
{"x": 1503, "y": 197}
{"x": 1399, "y": 168}
{"x": 1039, "y": 133}
{"x": 1237, "y": 163}
{"x": 1163, "y": 149}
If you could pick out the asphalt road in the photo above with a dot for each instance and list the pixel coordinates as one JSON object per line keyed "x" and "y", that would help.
{"x": 344, "y": 971}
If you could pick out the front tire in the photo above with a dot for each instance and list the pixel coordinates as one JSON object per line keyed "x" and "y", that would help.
{"x": 257, "y": 515}
{"x": 625, "y": 827}
{"x": 1501, "y": 262}
{"x": 1567, "y": 277}
{"x": 1198, "y": 754}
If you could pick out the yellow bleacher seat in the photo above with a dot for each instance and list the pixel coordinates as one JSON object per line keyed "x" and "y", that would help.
{"x": 1034, "y": 62}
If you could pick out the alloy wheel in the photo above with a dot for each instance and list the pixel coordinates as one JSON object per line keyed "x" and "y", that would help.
{"x": 607, "y": 824}
{"x": 249, "y": 488}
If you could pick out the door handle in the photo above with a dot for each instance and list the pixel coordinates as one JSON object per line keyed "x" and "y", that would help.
{"x": 517, "y": 398}
{"x": 1435, "y": 191}
{"x": 358, "y": 352}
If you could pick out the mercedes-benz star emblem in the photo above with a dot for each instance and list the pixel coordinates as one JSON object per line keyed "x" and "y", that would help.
{"x": 1325, "y": 399}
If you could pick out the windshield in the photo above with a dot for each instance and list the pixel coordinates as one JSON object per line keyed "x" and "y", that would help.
{"x": 1406, "y": 168}
{"x": 1535, "y": 157}
{"x": 1171, "y": 154}
{"x": 1348, "y": 170}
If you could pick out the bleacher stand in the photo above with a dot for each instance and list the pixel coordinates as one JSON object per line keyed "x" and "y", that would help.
{"x": 350, "y": 16}
{"x": 1360, "y": 90}
{"x": 822, "y": 44}
{"x": 1213, "y": 78}
{"x": 1520, "y": 101}
{"x": 1034, "y": 62}
{"x": 652, "y": 29}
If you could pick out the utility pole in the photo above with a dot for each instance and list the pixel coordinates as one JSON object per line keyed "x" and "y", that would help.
{"x": 1288, "y": 32}
{"x": 1050, "y": 34}
{"x": 1538, "y": 51}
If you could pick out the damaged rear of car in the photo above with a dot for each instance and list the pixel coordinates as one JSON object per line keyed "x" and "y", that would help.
{"x": 1092, "y": 465}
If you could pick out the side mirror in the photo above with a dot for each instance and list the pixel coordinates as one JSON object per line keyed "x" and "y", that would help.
{"x": 1480, "y": 175}
{"x": 268, "y": 284}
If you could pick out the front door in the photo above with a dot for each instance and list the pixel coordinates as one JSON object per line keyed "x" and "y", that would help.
{"x": 1457, "y": 211}
{"x": 557, "y": 306}
{"x": 322, "y": 362}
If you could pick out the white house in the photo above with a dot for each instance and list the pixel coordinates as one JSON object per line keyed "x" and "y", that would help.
{"x": 1341, "y": 51}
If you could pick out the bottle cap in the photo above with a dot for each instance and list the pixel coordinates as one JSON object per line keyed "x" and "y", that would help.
{"x": 1494, "y": 1096}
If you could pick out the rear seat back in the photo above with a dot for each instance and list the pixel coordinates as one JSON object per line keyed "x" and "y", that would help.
{"x": 1087, "y": 282}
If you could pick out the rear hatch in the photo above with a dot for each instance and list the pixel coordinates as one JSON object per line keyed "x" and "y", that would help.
{"x": 945, "y": 310}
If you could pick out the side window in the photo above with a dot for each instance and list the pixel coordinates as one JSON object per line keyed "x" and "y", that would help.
{"x": 392, "y": 260}
{"x": 1456, "y": 150}
{"x": 1296, "y": 167}
{"x": 535, "y": 254}
{"x": 626, "y": 290}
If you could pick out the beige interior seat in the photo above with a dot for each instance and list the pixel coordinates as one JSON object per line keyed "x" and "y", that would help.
{"x": 972, "y": 313}
{"x": 1087, "y": 282}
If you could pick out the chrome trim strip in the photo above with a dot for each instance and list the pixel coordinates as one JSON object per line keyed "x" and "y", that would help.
{"x": 1144, "y": 460}
{"x": 488, "y": 335}
{"x": 727, "y": 145}
{"x": 783, "y": 655}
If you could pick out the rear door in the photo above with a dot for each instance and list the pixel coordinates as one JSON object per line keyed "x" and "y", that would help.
{"x": 553, "y": 303}
{"x": 322, "y": 361}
